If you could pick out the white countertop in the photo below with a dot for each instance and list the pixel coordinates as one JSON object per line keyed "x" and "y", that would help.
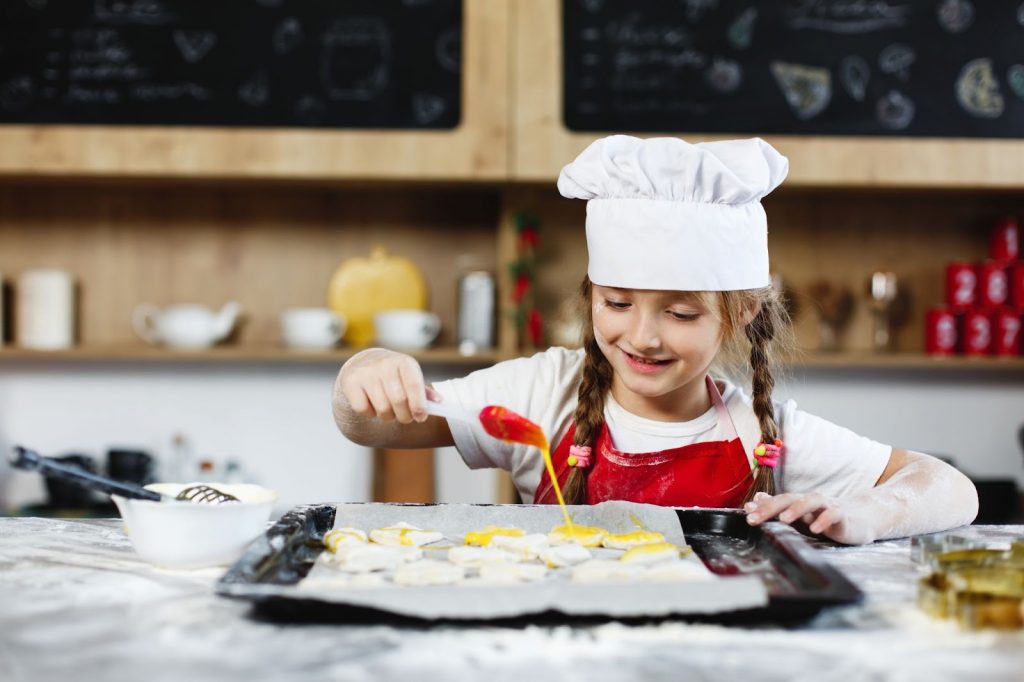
{"x": 76, "y": 603}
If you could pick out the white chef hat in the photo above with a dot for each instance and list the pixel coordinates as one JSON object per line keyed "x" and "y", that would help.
{"x": 666, "y": 214}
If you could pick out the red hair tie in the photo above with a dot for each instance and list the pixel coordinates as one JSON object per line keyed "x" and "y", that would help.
{"x": 768, "y": 454}
{"x": 579, "y": 456}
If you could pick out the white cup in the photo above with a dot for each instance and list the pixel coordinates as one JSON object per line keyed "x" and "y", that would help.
{"x": 406, "y": 328}
{"x": 45, "y": 310}
{"x": 311, "y": 328}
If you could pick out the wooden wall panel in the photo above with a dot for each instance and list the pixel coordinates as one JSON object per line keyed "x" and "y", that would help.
{"x": 264, "y": 247}
{"x": 403, "y": 476}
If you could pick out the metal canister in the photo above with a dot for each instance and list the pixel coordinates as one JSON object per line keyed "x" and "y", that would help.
{"x": 476, "y": 303}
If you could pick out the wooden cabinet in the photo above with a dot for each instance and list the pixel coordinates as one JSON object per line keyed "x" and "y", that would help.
{"x": 171, "y": 215}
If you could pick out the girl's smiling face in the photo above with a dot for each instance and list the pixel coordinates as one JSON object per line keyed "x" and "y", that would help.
{"x": 660, "y": 345}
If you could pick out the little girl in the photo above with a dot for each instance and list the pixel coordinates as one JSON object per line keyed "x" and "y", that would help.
{"x": 677, "y": 277}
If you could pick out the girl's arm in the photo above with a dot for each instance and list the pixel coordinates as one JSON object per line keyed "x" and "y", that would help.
{"x": 378, "y": 401}
{"x": 915, "y": 494}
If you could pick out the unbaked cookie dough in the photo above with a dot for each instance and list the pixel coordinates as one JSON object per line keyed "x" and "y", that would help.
{"x": 633, "y": 539}
{"x": 560, "y": 556}
{"x": 473, "y": 557}
{"x": 404, "y": 535}
{"x": 483, "y": 538}
{"x": 429, "y": 572}
{"x": 585, "y": 536}
{"x": 650, "y": 554}
{"x": 344, "y": 537}
{"x": 369, "y": 557}
{"x": 527, "y": 547}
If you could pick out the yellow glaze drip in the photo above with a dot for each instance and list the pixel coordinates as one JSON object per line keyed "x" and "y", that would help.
{"x": 482, "y": 538}
{"x": 335, "y": 537}
{"x": 637, "y": 537}
{"x": 402, "y": 536}
{"x": 546, "y": 451}
{"x": 404, "y": 532}
{"x": 655, "y": 548}
{"x": 586, "y": 536}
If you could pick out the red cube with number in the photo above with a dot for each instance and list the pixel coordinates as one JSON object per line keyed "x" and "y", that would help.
{"x": 940, "y": 331}
{"x": 1015, "y": 274}
{"x": 961, "y": 285}
{"x": 1005, "y": 332}
{"x": 976, "y": 332}
{"x": 993, "y": 287}
{"x": 1005, "y": 243}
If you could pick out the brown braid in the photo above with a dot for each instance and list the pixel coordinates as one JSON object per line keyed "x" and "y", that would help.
{"x": 760, "y": 332}
{"x": 595, "y": 383}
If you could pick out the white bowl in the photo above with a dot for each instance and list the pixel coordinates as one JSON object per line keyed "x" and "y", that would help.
{"x": 195, "y": 535}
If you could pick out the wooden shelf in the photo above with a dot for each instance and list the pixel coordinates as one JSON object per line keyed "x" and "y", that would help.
{"x": 451, "y": 356}
{"x": 907, "y": 361}
{"x": 230, "y": 354}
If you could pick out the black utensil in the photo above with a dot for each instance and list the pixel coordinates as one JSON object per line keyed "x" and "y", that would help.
{"x": 33, "y": 461}
{"x": 63, "y": 494}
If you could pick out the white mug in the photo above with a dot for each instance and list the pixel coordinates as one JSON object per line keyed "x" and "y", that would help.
{"x": 406, "y": 328}
{"x": 45, "y": 310}
{"x": 311, "y": 328}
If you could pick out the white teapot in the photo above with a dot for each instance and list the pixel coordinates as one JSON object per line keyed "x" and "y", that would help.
{"x": 186, "y": 325}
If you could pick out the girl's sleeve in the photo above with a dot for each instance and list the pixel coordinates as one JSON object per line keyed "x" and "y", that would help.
{"x": 826, "y": 458}
{"x": 528, "y": 386}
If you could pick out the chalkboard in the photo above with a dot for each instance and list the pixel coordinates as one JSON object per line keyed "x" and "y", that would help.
{"x": 940, "y": 68}
{"x": 280, "y": 63}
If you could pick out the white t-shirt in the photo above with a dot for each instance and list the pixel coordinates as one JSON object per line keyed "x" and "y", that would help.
{"x": 819, "y": 456}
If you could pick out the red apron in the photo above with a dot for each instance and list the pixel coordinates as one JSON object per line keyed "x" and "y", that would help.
{"x": 711, "y": 474}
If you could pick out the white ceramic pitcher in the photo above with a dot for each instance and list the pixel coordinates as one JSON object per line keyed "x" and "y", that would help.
{"x": 186, "y": 325}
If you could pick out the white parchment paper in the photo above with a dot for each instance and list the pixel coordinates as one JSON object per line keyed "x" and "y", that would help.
{"x": 554, "y": 593}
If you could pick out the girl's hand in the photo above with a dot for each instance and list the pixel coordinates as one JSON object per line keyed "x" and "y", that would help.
{"x": 842, "y": 520}
{"x": 382, "y": 383}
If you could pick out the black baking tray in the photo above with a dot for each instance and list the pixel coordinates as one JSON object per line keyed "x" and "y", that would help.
{"x": 799, "y": 582}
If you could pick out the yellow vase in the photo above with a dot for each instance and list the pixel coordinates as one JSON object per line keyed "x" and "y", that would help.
{"x": 363, "y": 286}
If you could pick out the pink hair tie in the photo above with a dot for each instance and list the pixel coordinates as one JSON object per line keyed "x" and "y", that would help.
{"x": 768, "y": 454}
{"x": 579, "y": 456}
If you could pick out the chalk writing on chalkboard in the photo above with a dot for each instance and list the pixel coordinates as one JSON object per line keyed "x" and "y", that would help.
{"x": 358, "y": 63}
{"x": 949, "y": 68}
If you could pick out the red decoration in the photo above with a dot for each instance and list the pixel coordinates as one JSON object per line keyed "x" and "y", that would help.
{"x": 535, "y": 325}
{"x": 529, "y": 237}
{"x": 523, "y": 271}
{"x": 522, "y": 287}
